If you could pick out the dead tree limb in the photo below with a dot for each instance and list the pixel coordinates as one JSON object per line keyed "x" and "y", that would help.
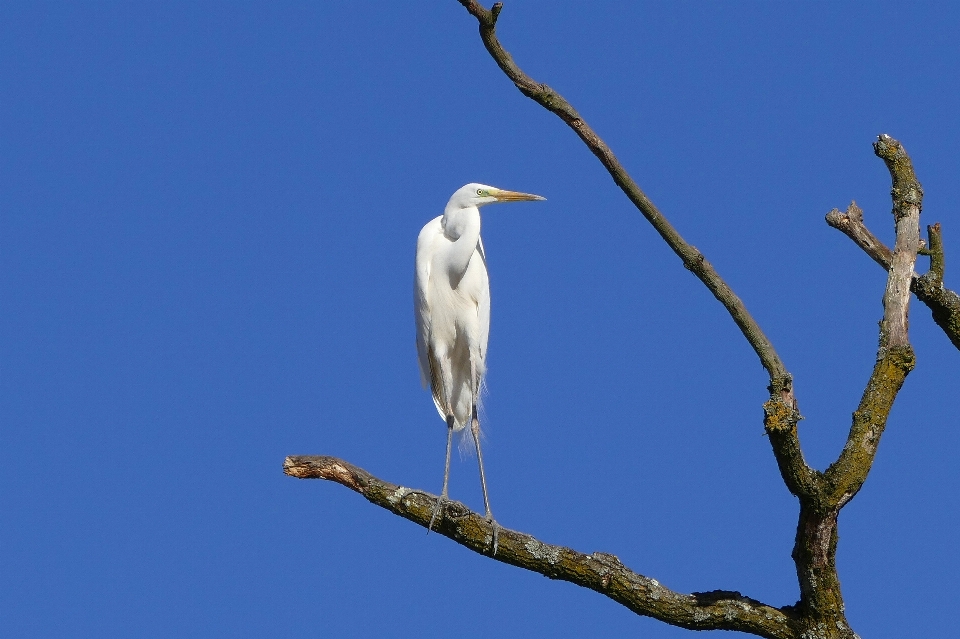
{"x": 821, "y": 602}
{"x": 943, "y": 303}
{"x": 717, "y": 610}
{"x": 692, "y": 258}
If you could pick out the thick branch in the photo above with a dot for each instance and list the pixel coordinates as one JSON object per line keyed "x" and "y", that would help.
{"x": 846, "y": 475}
{"x": 943, "y": 303}
{"x": 895, "y": 357}
{"x": 716, "y": 610}
{"x": 691, "y": 257}
{"x": 907, "y": 201}
{"x": 821, "y": 601}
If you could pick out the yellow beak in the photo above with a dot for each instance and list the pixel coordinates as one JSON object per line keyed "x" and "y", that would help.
{"x": 515, "y": 196}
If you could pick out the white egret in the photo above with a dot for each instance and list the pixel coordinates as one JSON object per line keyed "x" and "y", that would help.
{"x": 452, "y": 308}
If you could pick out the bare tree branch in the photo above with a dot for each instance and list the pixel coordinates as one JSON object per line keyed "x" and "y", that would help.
{"x": 907, "y": 201}
{"x": 943, "y": 303}
{"x": 780, "y": 422}
{"x": 821, "y": 601}
{"x": 780, "y": 380}
{"x": 846, "y": 475}
{"x": 895, "y": 358}
{"x": 717, "y": 610}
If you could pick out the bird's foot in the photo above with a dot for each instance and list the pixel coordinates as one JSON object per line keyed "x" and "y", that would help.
{"x": 496, "y": 534}
{"x": 441, "y": 503}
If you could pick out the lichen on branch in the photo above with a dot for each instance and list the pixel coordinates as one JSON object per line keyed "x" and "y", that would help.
{"x": 602, "y": 572}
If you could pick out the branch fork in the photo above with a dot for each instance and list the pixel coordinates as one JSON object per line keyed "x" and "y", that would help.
{"x": 907, "y": 194}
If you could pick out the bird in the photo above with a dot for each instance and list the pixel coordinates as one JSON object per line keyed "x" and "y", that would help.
{"x": 452, "y": 313}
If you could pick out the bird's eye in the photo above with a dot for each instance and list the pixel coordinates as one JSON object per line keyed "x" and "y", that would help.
{"x": 479, "y": 191}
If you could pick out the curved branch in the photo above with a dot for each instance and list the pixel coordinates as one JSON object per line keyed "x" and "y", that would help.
{"x": 780, "y": 422}
{"x": 693, "y": 260}
{"x": 845, "y": 476}
{"x": 716, "y": 610}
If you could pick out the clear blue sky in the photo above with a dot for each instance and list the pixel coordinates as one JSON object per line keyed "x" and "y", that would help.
{"x": 208, "y": 215}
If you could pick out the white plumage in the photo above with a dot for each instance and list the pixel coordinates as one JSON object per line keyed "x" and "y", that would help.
{"x": 452, "y": 312}
{"x": 453, "y": 320}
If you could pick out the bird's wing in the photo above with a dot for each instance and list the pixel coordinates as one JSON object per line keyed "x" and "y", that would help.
{"x": 426, "y": 246}
{"x": 483, "y": 306}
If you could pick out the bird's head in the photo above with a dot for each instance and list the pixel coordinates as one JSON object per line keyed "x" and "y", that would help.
{"x": 476, "y": 195}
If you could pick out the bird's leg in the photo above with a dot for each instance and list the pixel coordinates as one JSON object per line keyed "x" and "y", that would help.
{"x": 475, "y": 429}
{"x": 441, "y": 502}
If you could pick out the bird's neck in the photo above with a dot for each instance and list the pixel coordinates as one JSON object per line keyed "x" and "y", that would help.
{"x": 462, "y": 227}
